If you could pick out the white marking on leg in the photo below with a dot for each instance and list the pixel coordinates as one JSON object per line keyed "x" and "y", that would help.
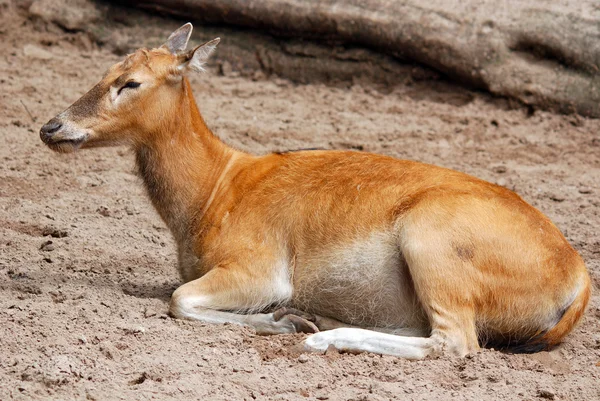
{"x": 360, "y": 340}
{"x": 194, "y": 307}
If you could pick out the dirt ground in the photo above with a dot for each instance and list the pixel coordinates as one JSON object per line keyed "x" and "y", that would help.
{"x": 87, "y": 267}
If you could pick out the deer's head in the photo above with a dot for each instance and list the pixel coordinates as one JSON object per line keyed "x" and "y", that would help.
{"x": 134, "y": 98}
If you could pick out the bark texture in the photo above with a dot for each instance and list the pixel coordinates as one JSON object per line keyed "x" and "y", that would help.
{"x": 545, "y": 53}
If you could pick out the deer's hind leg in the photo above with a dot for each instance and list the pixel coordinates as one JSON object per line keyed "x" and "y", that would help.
{"x": 216, "y": 296}
{"x": 443, "y": 284}
{"x": 440, "y": 263}
{"x": 452, "y": 331}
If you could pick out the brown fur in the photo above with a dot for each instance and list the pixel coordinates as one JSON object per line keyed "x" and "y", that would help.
{"x": 474, "y": 262}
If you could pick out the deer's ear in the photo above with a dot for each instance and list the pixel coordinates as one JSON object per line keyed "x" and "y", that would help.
{"x": 197, "y": 57}
{"x": 178, "y": 40}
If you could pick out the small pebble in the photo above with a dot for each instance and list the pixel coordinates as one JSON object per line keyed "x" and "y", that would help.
{"x": 549, "y": 395}
{"x": 258, "y": 76}
{"x": 103, "y": 210}
{"x": 36, "y": 52}
{"x": 149, "y": 313}
{"x": 303, "y": 358}
{"x": 331, "y": 350}
{"x": 54, "y": 232}
{"x": 134, "y": 329}
{"x": 585, "y": 190}
{"x": 47, "y": 246}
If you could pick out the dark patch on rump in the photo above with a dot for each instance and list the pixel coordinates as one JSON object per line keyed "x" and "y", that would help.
{"x": 465, "y": 253}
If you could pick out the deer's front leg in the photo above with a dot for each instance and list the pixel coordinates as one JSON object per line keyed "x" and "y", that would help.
{"x": 212, "y": 297}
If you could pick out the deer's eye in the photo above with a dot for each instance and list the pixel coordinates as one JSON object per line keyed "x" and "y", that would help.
{"x": 129, "y": 85}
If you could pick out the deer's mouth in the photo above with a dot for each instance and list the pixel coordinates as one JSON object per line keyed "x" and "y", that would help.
{"x": 65, "y": 145}
{"x": 62, "y": 138}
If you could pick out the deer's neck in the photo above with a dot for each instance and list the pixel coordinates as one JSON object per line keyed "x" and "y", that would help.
{"x": 182, "y": 166}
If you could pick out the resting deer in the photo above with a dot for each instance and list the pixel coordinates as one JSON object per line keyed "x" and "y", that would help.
{"x": 366, "y": 252}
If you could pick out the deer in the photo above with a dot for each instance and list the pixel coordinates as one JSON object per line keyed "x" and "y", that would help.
{"x": 360, "y": 251}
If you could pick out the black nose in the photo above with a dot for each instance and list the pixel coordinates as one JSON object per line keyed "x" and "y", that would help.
{"x": 50, "y": 128}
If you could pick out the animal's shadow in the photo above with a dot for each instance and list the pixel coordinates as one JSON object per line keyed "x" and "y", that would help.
{"x": 38, "y": 284}
{"x": 150, "y": 290}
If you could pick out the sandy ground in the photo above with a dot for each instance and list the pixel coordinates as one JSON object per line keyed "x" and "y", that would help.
{"x": 87, "y": 267}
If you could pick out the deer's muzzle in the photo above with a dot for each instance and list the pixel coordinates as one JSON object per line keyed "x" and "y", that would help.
{"x": 49, "y": 129}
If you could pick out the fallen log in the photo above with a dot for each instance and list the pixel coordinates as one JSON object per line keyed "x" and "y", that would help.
{"x": 545, "y": 53}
